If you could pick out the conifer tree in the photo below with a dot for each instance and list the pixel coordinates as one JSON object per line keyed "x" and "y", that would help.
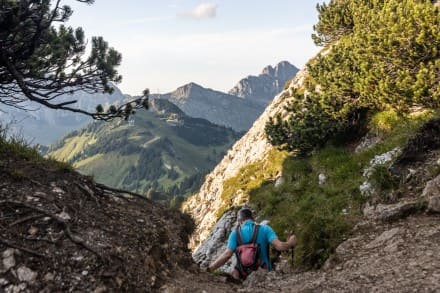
{"x": 380, "y": 55}
{"x": 42, "y": 59}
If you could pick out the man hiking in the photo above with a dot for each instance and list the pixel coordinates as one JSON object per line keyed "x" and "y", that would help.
{"x": 250, "y": 242}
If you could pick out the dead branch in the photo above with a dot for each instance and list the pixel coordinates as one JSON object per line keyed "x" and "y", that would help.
{"x": 66, "y": 226}
{"x": 25, "y": 219}
{"x": 12, "y": 245}
{"x": 89, "y": 193}
{"x": 104, "y": 187}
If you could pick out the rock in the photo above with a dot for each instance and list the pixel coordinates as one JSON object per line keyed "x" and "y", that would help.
{"x": 389, "y": 212}
{"x": 384, "y": 238}
{"x": 279, "y": 181}
{"x": 366, "y": 143}
{"x": 25, "y": 274}
{"x": 58, "y": 190}
{"x": 431, "y": 193}
{"x": 100, "y": 289}
{"x": 322, "y": 179}
{"x": 49, "y": 277}
{"x": 16, "y": 289}
{"x": 8, "y": 260}
{"x": 255, "y": 278}
{"x": 33, "y": 230}
{"x": 64, "y": 216}
{"x": 366, "y": 189}
{"x": 214, "y": 245}
{"x": 434, "y": 204}
{"x": 3, "y": 282}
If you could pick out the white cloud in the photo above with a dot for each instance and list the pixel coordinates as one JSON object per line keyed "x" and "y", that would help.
{"x": 202, "y": 11}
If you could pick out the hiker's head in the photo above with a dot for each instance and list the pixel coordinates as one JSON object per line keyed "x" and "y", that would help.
{"x": 244, "y": 214}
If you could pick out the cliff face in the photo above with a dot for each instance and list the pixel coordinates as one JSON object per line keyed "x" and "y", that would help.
{"x": 204, "y": 207}
{"x": 262, "y": 88}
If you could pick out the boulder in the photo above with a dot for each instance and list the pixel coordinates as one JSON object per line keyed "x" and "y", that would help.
{"x": 431, "y": 193}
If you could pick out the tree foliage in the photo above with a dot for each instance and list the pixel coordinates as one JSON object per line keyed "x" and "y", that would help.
{"x": 380, "y": 55}
{"x": 41, "y": 59}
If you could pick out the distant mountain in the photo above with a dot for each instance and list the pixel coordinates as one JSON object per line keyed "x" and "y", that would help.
{"x": 161, "y": 149}
{"x": 214, "y": 106}
{"x": 262, "y": 88}
{"x": 44, "y": 126}
{"x": 241, "y": 106}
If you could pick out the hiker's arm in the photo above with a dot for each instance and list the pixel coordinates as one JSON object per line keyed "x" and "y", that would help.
{"x": 281, "y": 246}
{"x": 221, "y": 260}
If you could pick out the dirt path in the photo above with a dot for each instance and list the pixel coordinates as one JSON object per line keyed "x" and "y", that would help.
{"x": 403, "y": 256}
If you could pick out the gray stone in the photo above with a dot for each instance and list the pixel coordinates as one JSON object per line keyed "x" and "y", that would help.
{"x": 25, "y": 274}
{"x": 431, "y": 193}
{"x": 384, "y": 238}
{"x": 322, "y": 179}
{"x": 389, "y": 212}
{"x": 279, "y": 181}
{"x": 8, "y": 260}
{"x": 434, "y": 204}
{"x": 16, "y": 288}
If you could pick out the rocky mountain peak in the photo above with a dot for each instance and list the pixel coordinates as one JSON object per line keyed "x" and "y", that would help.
{"x": 187, "y": 90}
{"x": 262, "y": 88}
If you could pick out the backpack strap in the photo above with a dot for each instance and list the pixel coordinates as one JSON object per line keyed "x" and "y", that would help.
{"x": 255, "y": 234}
{"x": 253, "y": 238}
{"x": 239, "y": 238}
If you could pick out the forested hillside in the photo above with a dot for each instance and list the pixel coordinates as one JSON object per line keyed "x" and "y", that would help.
{"x": 160, "y": 153}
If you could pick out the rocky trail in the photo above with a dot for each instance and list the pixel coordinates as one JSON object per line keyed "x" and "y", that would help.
{"x": 61, "y": 232}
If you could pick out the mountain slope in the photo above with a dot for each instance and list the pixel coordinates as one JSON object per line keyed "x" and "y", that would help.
{"x": 214, "y": 106}
{"x": 162, "y": 149}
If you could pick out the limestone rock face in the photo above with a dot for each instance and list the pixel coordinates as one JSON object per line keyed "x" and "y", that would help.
{"x": 262, "y": 88}
{"x": 252, "y": 147}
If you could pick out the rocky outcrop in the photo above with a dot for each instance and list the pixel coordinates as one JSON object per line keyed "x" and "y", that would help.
{"x": 262, "y": 88}
{"x": 252, "y": 147}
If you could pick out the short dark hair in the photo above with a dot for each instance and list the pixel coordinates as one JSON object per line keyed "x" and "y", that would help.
{"x": 244, "y": 214}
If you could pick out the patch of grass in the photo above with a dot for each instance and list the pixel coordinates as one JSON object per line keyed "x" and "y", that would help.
{"x": 320, "y": 215}
{"x": 236, "y": 189}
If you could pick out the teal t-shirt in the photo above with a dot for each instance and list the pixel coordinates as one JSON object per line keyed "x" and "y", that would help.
{"x": 265, "y": 236}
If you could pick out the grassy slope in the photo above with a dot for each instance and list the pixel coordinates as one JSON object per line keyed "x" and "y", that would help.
{"x": 116, "y": 141}
{"x": 320, "y": 215}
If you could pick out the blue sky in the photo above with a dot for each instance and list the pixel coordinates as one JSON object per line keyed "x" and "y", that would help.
{"x": 168, "y": 43}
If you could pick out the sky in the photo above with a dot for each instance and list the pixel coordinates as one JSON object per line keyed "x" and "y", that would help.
{"x": 168, "y": 43}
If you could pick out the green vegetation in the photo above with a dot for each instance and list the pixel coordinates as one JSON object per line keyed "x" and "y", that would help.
{"x": 323, "y": 215}
{"x": 378, "y": 74}
{"x": 381, "y": 55}
{"x": 149, "y": 156}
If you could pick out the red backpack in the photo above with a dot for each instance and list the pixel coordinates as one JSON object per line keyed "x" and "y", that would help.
{"x": 248, "y": 255}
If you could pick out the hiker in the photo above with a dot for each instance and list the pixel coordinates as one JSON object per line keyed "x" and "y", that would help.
{"x": 249, "y": 232}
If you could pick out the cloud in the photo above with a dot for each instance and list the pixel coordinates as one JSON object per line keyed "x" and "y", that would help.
{"x": 202, "y": 11}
